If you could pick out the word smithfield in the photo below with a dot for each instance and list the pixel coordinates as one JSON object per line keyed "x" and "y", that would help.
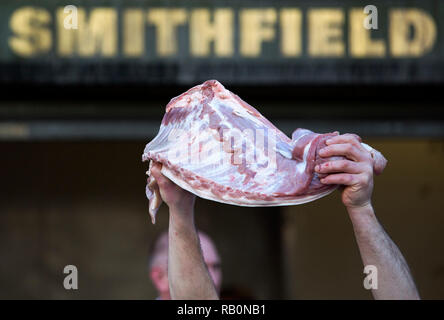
{"x": 269, "y": 32}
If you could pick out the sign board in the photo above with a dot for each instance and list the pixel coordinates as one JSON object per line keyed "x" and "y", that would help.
{"x": 236, "y": 42}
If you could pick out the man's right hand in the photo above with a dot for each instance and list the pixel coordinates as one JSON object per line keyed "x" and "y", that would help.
{"x": 188, "y": 275}
{"x": 175, "y": 197}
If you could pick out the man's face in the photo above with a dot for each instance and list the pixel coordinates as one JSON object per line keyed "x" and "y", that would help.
{"x": 212, "y": 261}
{"x": 159, "y": 273}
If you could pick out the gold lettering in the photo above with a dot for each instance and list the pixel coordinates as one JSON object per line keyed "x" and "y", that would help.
{"x": 291, "y": 23}
{"x": 361, "y": 43}
{"x": 325, "y": 32}
{"x": 256, "y": 27}
{"x": 203, "y": 32}
{"x": 31, "y": 35}
{"x": 166, "y": 21}
{"x": 133, "y": 32}
{"x": 424, "y": 35}
{"x": 96, "y": 36}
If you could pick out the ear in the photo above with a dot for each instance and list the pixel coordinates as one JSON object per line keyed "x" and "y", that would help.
{"x": 159, "y": 277}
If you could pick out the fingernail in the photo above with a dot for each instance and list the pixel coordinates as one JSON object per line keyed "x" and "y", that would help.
{"x": 328, "y": 141}
{"x": 317, "y": 168}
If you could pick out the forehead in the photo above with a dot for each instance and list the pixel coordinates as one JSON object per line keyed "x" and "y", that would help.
{"x": 209, "y": 250}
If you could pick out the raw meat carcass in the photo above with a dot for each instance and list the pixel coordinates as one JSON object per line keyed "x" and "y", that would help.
{"x": 220, "y": 148}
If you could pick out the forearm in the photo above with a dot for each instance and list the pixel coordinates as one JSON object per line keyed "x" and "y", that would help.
{"x": 376, "y": 248}
{"x": 187, "y": 273}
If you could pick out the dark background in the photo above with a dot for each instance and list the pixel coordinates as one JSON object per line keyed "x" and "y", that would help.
{"x": 73, "y": 184}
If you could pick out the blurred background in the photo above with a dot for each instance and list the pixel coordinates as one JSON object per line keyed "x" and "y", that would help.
{"x": 83, "y": 89}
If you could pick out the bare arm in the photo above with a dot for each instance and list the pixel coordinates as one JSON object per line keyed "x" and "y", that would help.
{"x": 375, "y": 246}
{"x": 188, "y": 276}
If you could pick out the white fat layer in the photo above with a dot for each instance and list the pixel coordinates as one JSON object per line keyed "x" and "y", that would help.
{"x": 300, "y": 167}
{"x": 367, "y": 147}
{"x": 241, "y": 201}
{"x": 295, "y": 141}
{"x": 285, "y": 151}
{"x": 235, "y": 110}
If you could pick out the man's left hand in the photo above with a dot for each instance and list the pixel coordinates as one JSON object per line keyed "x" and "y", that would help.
{"x": 355, "y": 172}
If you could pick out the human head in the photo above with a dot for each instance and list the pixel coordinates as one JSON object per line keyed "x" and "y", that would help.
{"x": 158, "y": 263}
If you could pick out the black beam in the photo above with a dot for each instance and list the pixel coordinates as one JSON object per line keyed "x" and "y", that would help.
{"x": 45, "y": 130}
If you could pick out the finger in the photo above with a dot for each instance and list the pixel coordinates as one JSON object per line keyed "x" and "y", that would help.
{"x": 345, "y": 138}
{"x": 340, "y": 178}
{"x": 157, "y": 174}
{"x": 346, "y": 166}
{"x": 343, "y": 149}
{"x": 155, "y": 168}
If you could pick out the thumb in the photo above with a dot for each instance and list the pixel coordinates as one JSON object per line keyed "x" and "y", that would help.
{"x": 157, "y": 174}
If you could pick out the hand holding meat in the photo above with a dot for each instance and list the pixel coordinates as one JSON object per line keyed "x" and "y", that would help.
{"x": 354, "y": 171}
{"x": 175, "y": 197}
{"x": 188, "y": 275}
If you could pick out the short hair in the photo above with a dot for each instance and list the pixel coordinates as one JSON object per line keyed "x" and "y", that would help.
{"x": 158, "y": 255}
